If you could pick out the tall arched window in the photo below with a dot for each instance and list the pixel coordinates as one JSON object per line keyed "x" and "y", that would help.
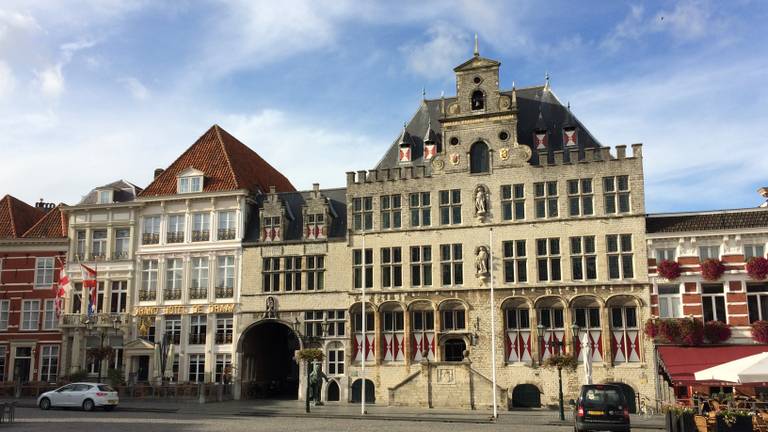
{"x": 478, "y": 100}
{"x": 478, "y": 158}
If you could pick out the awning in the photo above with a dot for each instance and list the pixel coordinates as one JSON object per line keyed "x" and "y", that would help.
{"x": 678, "y": 364}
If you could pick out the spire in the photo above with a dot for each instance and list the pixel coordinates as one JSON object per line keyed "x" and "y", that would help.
{"x": 423, "y": 93}
{"x": 541, "y": 125}
{"x": 569, "y": 123}
{"x": 403, "y": 139}
{"x": 546, "y": 81}
{"x": 477, "y": 50}
{"x": 429, "y": 136}
{"x": 514, "y": 95}
{"x": 442, "y": 102}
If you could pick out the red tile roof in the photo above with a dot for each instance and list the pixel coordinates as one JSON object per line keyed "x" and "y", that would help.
{"x": 227, "y": 163}
{"x": 52, "y": 225}
{"x": 16, "y": 217}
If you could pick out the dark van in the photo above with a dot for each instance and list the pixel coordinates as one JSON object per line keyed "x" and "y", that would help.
{"x": 601, "y": 407}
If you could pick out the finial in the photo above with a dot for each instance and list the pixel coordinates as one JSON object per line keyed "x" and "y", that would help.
{"x": 514, "y": 94}
{"x": 423, "y": 93}
{"x": 569, "y": 105}
{"x": 442, "y": 94}
{"x": 477, "y": 50}
{"x": 546, "y": 81}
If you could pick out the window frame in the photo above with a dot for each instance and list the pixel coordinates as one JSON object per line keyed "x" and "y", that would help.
{"x": 453, "y": 264}
{"x": 582, "y": 194}
{"x": 546, "y": 200}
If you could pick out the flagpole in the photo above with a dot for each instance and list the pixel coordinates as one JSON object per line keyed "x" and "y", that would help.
{"x": 365, "y": 336}
{"x": 493, "y": 326}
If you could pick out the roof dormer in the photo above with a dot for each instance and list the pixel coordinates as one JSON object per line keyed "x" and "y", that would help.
{"x": 105, "y": 196}
{"x": 189, "y": 181}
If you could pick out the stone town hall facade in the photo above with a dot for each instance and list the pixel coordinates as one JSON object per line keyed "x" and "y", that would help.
{"x": 239, "y": 269}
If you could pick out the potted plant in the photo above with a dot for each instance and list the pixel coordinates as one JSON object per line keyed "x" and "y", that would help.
{"x": 669, "y": 330}
{"x": 691, "y": 332}
{"x": 716, "y": 332}
{"x": 757, "y": 268}
{"x": 668, "y": 269}
{"x": 732, "y": 420}
{"x": 685, "y": 421}
{"x": 760, "y": 331}
{"x": 712, "y": 269}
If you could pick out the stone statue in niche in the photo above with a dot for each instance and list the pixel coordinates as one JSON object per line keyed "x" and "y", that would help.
{"x": 481, "y": 202}
{"x": 481, "y": 261}
{"x": 271, "y": 309}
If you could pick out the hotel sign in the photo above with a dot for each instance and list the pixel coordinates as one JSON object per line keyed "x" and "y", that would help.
{"x": 184, "y": 310}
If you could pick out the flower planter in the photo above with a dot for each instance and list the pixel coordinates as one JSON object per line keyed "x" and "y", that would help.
{"x": 685, "y": 423}
{"x": 742, "y": 424}
{"x": 670, "y": 421}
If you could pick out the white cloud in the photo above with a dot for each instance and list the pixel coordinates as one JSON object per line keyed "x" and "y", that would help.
{"x": 50, "y": 80}
{"x": 7, "y": 79}
{"x": 444, "y": 48}
{"x": 70, "y": 48}
{"x": 135, "y": 88}
{"x": 297, "y": 146}
{"x": 16, "y": 20}
{"x": 689, "y": 20}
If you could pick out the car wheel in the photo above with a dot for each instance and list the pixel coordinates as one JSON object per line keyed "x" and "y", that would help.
{"x": 88, "y": 405}
{"x": 45, "y": 404}
{"x": 109, "y": 408}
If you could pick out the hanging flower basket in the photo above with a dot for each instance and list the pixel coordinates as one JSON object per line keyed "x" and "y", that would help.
{"x": 561, "y": 361}
{"x": 668, "y": 269}
{"x": 712, "y": 269}
{"x": 716, "y": 332}
{"x": 757, "y": 268}
{"x": 760, "y": 332}
{"x": 310, "y": 354}
{"x": 691, "y": 332}
{"x": 652, "y": 328}
{"x": 669, "y": 330}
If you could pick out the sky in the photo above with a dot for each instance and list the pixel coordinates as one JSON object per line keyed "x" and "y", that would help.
{"x": 92, "y": 91}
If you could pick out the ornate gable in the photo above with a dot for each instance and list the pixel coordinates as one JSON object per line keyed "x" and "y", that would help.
{"x": 317, "y": 215}
{"x": 272, "y": 217}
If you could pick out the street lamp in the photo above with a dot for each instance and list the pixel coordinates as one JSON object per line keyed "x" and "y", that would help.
{"x": 103, "y": 333}
{"x": 308, "y": 340}
{"x": 575, "y": 333}
{"x": 540, "y": 329}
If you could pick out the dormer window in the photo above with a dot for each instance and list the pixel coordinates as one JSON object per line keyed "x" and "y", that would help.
{"x": 315, "y": 226}
{"x": 272, "y": 229}
{"x": 104, "y": 196}
{"x": 190, "y": 181}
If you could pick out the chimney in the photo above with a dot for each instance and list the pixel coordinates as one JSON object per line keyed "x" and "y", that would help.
{"x": 763, "y": 191}
{"x": 44, "y": 206}
{"x": 158, "y": 171}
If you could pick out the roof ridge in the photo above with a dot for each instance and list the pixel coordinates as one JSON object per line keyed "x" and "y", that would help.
{"x": 707, "y": 212}
{"x": 500, "y": 91}
{"x": 224, "y": 148}
{"x": 44, "y": 219}
{"x": 10, "y": 213}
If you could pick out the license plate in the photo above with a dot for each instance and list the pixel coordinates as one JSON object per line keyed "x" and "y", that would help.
{"x": 112, "y": 402}
{"x": 596, "y": 413}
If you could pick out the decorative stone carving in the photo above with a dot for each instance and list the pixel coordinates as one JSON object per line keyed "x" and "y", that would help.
{"x": 455, "y": 158}
{"x": 504, "y": 102}
{"x": 271, "y": 308}
{"x": 481, "y": 202}
{"x": 481, "y": 261}
{"x": 453, "y": 108}
{"x": 438, "y": 164}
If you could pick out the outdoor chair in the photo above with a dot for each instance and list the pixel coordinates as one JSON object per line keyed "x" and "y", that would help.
{"x": 702, "y": 423}
{"x": 759, "y": 424}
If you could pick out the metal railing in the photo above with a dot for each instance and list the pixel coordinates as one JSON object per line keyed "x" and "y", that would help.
{"x": 120, "y": 255}
{"x": 150, "y": 238}
{"x": 197, "y": 338}
{"x": 223, "y": 338}
{"x": 225, "y": 234}
{"x": 198, "y": 293}
{"x": 224, "y": 292}
{"x": 201, "y": 235}
{"x": 174, "y": 237}
{"x": 172, "y": 294}
{"x": 146, "y": 295}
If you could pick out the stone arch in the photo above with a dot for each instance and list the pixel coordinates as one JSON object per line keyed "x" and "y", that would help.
{"x": 267, "y": 367}
{"x": 446, "y": 303}
{"x": 477, "y": 100}
{"x": 525, "y": 395}
{"x": 262, "y": 322}
{"x": 624, "y": 300}
{"x": 550, "y": 300}
{"x": 332, "y": 391}
{"x": 391, "y": 305}
{"x": 421, "y": 304}
{"x": 515, "y": 301}
{"x": 369, "y": 307}
{"x": 453, "y": 347}
{"x": 370, "y": 391}
{"x": 585, "y": 300}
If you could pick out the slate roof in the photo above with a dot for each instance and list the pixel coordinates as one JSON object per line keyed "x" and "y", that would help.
{"x": 530, "y": 101}
{"x": 123, "y": 192}
{"x": 52, "y": 225}
{"x": 707, "y": 221}
{"x": 295, "y": 201}
{"x": 16, "y": 217}
{"x": 227, "y": 163}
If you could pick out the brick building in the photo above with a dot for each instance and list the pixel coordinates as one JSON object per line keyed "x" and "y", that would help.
{"x": 566, "y": 257}
{"x": 33, "y": 243}
{"x": 732, "y": 237}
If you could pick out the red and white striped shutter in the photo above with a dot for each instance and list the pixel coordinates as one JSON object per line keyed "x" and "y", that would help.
{"x": 618, "y": 347}
{"x": 388, "y": 347}
{"x": 405, "y": 154}
{"x": 596, "y": 345}
{"x": 633, "y": 347}
{"x": 540, "y": 140}
{"x": 570, "y": 137}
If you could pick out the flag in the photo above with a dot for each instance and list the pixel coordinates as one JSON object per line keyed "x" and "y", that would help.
{"x": 62, "y": 289}
{"x": 89, "y": 281}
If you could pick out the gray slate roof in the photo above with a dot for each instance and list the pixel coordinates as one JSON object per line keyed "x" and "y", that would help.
{"x": 529, "y": 101}
{"x": 707, "y": 221}
{"x": 295, "y": 201}
{"x": 123, "y": 192}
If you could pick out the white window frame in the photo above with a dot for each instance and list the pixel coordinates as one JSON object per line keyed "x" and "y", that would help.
{"x": 5, "y": 313}
{"x": 665, "y": 254}
{"x": 754, "y": 250}
{"x": 709, "y": 252}
{"x": 225, "y": 271}
{"x": 44, "y": 269}
{"x": 49, "y": 315}
{"x": 30, "y": 315}
{"x": 581, "y": 195}
{"x": 711, "y": 298}
{"x": 49, "y": 367}
{"x": 122, "y": 243}
{"x": 201, "y": 226}
{"x": 335, "y": 366}
{"x": 104, "y": 196}
{"x": 150, "y": 226}
{"x": 672, "y": 302}
{"x": 190, "y": 184}
{"x": 226, "y": 221}
{"x": 546, "y": 197}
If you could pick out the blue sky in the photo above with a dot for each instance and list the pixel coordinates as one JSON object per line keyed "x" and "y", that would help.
{"x": 92, "y": 91}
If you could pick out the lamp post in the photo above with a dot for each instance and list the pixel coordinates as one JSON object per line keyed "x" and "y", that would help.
{"x": 308, "y": 340}
{"x": 540, "y": 332}
{"x": 575, "y": 334}
{"x": 164, "y": 347}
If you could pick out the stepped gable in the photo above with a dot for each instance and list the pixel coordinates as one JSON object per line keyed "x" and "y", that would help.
{"x": 707, "y": 221}
{"x": 52, "y": 225}
{"x": 294, "y": 201}
{"x": 530, "y": 101}
{"x": 16, "y": 217}
{"x": 227, "y": 163}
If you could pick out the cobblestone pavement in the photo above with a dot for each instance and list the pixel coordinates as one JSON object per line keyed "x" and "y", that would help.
{"x": 31, "y": 420}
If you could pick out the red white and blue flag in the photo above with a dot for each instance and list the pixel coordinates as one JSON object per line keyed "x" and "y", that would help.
{"x": 61, "y": 289}
{"x": 89, "y": 282}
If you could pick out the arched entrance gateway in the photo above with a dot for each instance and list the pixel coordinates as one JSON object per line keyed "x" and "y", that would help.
{"x": 268, "y": 367}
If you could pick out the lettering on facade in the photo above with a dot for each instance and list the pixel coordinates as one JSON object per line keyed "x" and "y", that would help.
{"x": 182, "y": 310}
{"x": 315, "y": 249}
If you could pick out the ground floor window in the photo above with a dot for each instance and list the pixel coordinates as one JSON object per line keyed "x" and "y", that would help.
{"x": 223, "y": 368}
{"x": 49, "y": 363}
{"x": 336, "y": 360}
{"x": 196, "y": 368}
{"x": 453, "y": 350}
{"x": 3, "y": 351}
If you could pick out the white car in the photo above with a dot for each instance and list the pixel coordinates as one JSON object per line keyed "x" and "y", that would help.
{"x": 85, "y": 395}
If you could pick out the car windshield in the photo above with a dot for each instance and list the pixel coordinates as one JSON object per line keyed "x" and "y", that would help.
{"x": 597, "y": 397}
{"x": 106, "y": 388}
